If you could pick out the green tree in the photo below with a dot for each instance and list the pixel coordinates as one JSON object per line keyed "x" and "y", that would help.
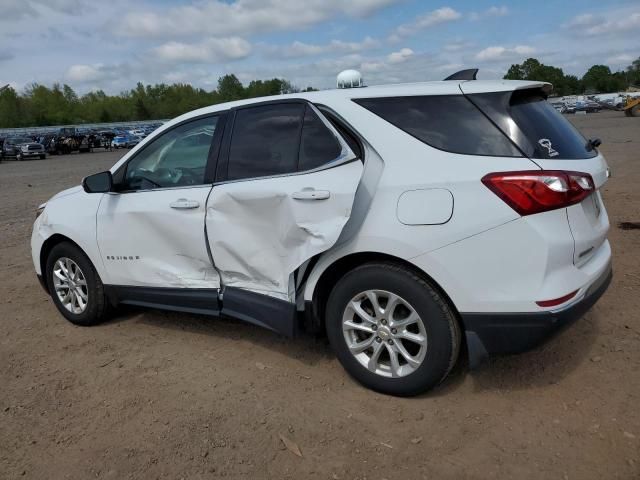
{"x": 532, "y": 69}
{"x": 514, "y": 73}
{"x": 230, "y": 88}
{"x": 11, "y": 111}
{"x": 633, "y": 73}
{"x": 598, "y": 79}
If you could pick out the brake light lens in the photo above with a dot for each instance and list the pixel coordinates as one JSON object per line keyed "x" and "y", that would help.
{"x": 535, "y": 191}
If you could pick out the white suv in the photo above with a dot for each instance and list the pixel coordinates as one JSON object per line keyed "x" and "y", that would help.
{"x": 406, "y": 221}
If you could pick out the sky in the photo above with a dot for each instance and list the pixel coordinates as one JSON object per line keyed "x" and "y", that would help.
{"x": 111, "y": 45}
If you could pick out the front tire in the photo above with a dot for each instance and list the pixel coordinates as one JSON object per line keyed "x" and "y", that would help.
{"x": 74, "y": 285}
{"x": 392, "y": 330}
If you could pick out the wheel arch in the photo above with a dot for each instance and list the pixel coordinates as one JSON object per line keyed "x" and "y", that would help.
{"x": 45, "y": 250}
{"x": 341, "y": 266}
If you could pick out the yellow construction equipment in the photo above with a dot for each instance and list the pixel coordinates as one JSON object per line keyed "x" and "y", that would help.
{"x": 632, "y": 107}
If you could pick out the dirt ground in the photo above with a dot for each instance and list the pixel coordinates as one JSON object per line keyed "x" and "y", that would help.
{"x": 164, "y": 395}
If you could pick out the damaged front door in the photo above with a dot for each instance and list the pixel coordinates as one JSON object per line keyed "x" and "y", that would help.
{"x": 151, "y": 231}
{"x": 285, "y": 188}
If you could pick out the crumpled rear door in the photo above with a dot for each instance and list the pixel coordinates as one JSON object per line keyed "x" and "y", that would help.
{"x": 260, "y": 231}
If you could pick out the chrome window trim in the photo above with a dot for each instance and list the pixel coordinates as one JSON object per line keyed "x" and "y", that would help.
{"x": 162, "y": 189}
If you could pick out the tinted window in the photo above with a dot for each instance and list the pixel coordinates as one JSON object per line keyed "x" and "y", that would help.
{"x": 447, "y": 122}
{"x": 318, "y": 144}
{"x": 542, "y": 132}
{"x": 265, "y": 141}
{"x": 176, "y": 158}
{"x": 348, "y": 136}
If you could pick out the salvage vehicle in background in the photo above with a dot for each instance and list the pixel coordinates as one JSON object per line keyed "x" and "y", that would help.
{"x": 22, "y": 148}
{"x": 588, "y": 106}
{"x": 125, "y": 141}
{"x": 405, "y": 221}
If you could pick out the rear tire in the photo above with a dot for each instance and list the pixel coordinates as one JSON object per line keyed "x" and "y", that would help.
{"x": 635, "y": 111}
{"x": 75, "y": 286}
{"x": 407, "y": 360}
{"x": 42, "y": 157}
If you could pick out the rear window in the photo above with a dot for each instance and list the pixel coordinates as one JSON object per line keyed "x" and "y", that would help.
{"x": 447, "y": 122}
{"x": 538, "y": 129}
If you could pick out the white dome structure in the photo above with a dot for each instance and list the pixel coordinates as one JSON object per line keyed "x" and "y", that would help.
{"x": 350, "y": 79}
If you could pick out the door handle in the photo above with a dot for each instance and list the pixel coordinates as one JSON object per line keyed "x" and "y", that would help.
{"x": 184, "y": 204}
{"x": 311, "y": 194}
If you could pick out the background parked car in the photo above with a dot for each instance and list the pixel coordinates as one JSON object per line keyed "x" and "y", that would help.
{"x": 125, "y": 141}
{"x": 588, "y": 106}
{"x": 22, "y": 148}
{"x": 138, "y": 133}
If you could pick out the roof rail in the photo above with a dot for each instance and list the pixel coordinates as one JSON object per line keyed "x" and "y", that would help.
{"x": 469, "y": 74}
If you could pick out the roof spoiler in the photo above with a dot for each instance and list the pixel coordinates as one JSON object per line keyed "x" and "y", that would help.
{"x": 469, "y": 74}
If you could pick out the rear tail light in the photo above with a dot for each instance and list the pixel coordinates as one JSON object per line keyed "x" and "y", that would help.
{"x": 536, "y": 191}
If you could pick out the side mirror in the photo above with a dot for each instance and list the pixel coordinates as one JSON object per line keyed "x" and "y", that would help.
{"x": 98, "y": 183}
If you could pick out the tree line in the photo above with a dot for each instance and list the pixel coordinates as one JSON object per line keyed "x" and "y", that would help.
{"x": 598, "y": 79}
{"x": 39, "y": 105}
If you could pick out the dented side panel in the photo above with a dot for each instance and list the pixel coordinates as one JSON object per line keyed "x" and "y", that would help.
{"x": 145, "y": 242}
{"x": 260, "y": 233}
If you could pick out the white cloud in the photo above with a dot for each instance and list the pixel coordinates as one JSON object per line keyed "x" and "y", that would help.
{"x": 582, "y": 20}
{"x": 18, "y": 9}
{"x": 300, "y": 49}
{"x": 101, "y": 75}
{"x": 591, "y": 25}
{"x": 369, "y": 67}
{"x": 401, "y": 56}
{"x": 84, "y": 73}
{"x": 427, "y": 20}
{"x": 494, "y": 11}
{"x": 211, "y": 50}
{"x": 457, "y": 46}
{"x": 500, "y": 53}
{"x": 620, "y": 59}
{"x": 497, "y": 11}
{"x": 241, "y": 17}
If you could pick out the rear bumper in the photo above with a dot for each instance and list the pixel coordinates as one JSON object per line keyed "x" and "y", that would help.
{"x": 505, "y": 333}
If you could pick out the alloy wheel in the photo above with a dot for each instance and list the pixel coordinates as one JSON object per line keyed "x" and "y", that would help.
{"x": 70, "y": 285}
{"x": 384, "y": 333}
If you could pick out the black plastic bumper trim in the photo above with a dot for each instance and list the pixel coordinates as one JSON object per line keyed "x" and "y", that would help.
{"x": 192, "y": 300}
{"x": 507, "y": 333}
{"x": 272, "y": 313}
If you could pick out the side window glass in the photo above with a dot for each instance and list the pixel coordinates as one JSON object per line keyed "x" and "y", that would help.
{"x": 265, "y": 141}
{"x": 318, "y": 144}
{"x": 447, "y": 122}
{"x": 176, "y": 158}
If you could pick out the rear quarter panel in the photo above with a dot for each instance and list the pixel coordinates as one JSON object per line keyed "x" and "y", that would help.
{"x": 407, "y": 164}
